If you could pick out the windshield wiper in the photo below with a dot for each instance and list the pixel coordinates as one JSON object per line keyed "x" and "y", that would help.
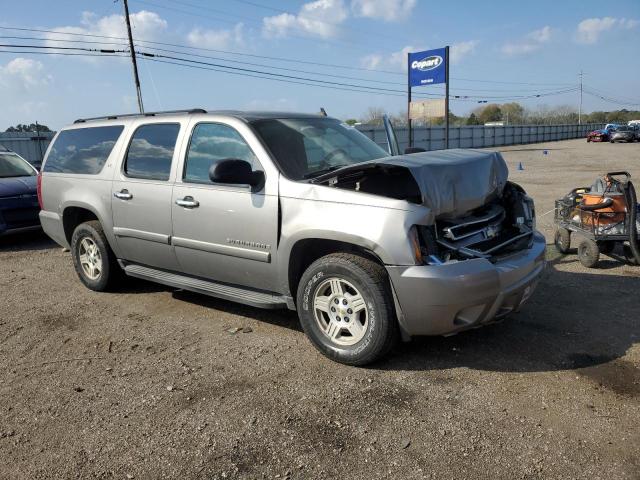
{"x": 319, "y": 173}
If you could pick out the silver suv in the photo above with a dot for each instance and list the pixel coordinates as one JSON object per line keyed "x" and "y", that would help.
{"x": 295, "y": 211}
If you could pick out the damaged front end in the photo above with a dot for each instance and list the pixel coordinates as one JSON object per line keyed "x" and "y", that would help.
{"x": 503, "y": 226}
{"x": 475, "y": 212}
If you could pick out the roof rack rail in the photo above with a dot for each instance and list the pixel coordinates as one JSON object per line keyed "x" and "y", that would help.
{"x": 146, "y": 114}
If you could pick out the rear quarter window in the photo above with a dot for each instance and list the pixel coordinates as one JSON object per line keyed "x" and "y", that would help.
{"x": 82, "y": 150}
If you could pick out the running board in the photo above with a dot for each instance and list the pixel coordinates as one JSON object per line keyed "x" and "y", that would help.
{"x": 206, "y": 287}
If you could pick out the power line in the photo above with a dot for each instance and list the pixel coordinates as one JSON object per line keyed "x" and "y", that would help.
{"x": 342, "y": 44}
{"x": 267, "y": 57}
{"x": 262, "y": 72}
{"x": 294, "y": 79}
{"x": 99, "y": 50}
{"x": 272, "y": 79}
{"x": 46, "y": 39}
{"x": 67, "y": 54}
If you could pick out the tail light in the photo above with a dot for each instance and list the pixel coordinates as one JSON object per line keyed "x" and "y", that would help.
{"x": 39, "y": 189}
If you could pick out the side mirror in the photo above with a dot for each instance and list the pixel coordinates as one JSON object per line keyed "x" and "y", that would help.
{"x": 410, "y": 150}
{"x": 235, "y": 172}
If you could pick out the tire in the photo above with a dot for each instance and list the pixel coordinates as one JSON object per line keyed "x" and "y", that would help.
{"x": 89, "y": 240}
{"x": 588, "y": 253}
{"x": 606, "y": 247}
{"x": 338, "y": 282}
{"x": 628, "y": 254}
{"x": 562, "y": 240}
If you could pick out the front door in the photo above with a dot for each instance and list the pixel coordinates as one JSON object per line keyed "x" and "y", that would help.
{"x": 141, "y": 197}
{"x": 227, "y": 233}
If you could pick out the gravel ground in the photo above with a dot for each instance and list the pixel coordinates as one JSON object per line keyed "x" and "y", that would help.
{"x": 151, "y": 382}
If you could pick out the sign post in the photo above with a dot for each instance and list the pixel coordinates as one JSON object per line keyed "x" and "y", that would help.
{"x": 446, "y": 98}
{"x": 428, "y": 68}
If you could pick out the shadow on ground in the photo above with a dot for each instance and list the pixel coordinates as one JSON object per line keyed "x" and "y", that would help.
{"x": 26, "y": 241}
{"x": 575, "y": 320}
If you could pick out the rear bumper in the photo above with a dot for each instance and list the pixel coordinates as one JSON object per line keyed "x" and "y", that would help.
{"x": 52, "y": 226}
{"x": 444, "y": 299}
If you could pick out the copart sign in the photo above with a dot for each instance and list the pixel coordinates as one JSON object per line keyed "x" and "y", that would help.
{"x": 427, "y": 68}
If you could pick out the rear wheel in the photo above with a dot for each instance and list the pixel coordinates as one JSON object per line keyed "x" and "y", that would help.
{"x": 346, "y": 308}
{"x": 562, "y": 240}
{"x": 588, "y": 253}
{"x": 95, "y": 263}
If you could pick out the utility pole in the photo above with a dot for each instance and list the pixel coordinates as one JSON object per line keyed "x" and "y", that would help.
{"x": 136, "y": 78}
{"x": 580, "y": 109}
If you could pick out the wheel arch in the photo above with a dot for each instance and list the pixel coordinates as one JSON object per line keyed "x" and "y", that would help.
{"x": 75, "y": 213}
{"x": 305, "y": 251}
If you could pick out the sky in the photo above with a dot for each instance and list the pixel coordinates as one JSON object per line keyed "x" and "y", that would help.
{"x": 501, "y": 51}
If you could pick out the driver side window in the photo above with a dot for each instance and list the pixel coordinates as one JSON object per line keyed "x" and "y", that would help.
{"x": 210, "y": 143}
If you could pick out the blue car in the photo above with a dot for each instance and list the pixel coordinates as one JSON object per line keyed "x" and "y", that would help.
{"x": 19, "y": 206}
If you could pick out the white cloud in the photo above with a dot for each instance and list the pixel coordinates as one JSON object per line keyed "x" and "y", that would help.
{"x": 218, "y": 39}
{"x": 319, "y": 19}
{"x": 589, "y": 30}
{"x": 144, "y": 24}
{"x": 460, "y": 50}
{"x": 529, "y": 43}
{"x": 398, "y": 60}
{"x": 389, "y": 10}
{"x": 22, "y": 75}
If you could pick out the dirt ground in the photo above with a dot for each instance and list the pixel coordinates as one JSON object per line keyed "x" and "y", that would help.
{"x": 150, "y": 383}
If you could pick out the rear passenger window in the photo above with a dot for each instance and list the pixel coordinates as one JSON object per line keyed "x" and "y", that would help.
{"x": 82, "y": 150}
{"x": 151, "y": 151}
{"x": 210, "y": 143}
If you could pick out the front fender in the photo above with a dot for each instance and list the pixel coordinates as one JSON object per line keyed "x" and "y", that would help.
{"x": 382, "y": 231}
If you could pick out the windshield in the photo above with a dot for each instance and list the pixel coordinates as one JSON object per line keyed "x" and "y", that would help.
{"x": 13, "y": 166}
{"x": 307, "y": 147}
{"x": 623, "y": 129}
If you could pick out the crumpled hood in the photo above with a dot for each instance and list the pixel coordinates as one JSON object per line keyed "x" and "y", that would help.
{"x": 451, "y": 182}
{"x": 14, "y": 186}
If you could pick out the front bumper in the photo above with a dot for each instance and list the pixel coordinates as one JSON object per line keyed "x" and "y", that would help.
{"x": 447, "y": 298}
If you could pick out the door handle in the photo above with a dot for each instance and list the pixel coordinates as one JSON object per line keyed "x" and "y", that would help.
{"x": 187, "y": 202}
{"x": 123, "y": 194}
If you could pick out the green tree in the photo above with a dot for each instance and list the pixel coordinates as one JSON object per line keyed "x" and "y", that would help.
{"x": 351, "y": 121}
{"x": 513, "y": 113}
{"x": 472, "y": 120}
{"x": 28, "y": 128}
{"x": 490, "y": 113}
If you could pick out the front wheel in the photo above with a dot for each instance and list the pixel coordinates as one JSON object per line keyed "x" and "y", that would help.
{"x": 346, "y": 308}
{"x": 562, "y": 240}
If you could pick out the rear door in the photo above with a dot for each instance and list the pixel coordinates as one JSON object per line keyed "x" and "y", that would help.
{"x": 226, "y": 233}
{"x": 141, "y": 195}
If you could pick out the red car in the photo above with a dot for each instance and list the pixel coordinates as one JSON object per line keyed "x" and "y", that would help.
{"x": 598, "y": 136}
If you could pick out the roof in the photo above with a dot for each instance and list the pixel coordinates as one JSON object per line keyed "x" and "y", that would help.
{"x": 247, "y": 116}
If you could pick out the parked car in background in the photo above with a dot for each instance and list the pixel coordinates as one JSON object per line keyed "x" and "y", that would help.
{"x": 623, "y": 133}
{"x": 281, "y": 210}
{"x": 601, "y": 135}
{"x": 18, "y": 198}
